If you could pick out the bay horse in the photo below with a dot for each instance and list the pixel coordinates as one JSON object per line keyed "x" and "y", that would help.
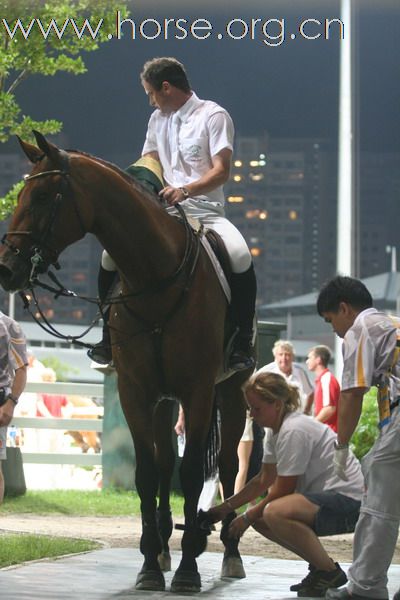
{"x": 167, "y": 335}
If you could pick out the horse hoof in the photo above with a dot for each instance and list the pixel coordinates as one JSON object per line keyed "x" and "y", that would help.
{"x": 150, "y": 580}
{"x": 164, "y": 560}
{"x": 186, "y": 581}
{"x": 232, "y": 567}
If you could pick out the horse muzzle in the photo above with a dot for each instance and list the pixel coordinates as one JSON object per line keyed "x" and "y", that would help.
{"x": 14, "y": 274}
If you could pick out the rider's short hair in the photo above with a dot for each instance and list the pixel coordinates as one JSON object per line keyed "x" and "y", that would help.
{"x": 166, "y": 68}
{"x": 343, "y": 289}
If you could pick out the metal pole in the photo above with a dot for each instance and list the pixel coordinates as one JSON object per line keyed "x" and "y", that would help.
{"x": 345, "y": 215}
{"x": 345, "y": 225}
{"x": 11, "y": 305}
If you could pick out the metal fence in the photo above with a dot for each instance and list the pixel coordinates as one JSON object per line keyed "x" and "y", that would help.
{"x": 73, "y": 424}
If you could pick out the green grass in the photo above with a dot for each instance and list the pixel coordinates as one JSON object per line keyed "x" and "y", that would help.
{"x": 107, "y": 503}
{"x": 19, "y": 548}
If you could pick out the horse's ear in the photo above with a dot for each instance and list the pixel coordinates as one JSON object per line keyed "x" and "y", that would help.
{"x": 33, "y": 153}
{"x": 49, "y": 149}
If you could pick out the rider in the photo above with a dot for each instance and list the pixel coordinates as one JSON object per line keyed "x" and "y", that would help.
{"x": 193, "y": 141}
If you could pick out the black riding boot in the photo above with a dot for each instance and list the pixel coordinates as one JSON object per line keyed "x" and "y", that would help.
{"x": 244, "y": 291}
{"x": 101, "y": 352}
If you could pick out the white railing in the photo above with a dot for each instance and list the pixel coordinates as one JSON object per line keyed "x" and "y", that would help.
{"x": 72, "y": 424}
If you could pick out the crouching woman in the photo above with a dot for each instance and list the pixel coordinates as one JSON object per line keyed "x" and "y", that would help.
{"x": 305, "y": 499}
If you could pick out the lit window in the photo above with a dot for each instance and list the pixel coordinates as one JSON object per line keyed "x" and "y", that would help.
{"x": 256, "y": 176}
{"x": 253, "y": 163}
{"x": 263, "y": 215}
{"x": 255, "y": 251}
{"x": 235, "y": 199}
{"x": 293, "y": 215}
{"x": 237, "y": 178}
{"x": 238, "y": 163}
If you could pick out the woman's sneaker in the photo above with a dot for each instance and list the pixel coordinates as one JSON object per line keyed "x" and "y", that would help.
{"x": 320, "y": 581}
{"x": 304, "y": 582}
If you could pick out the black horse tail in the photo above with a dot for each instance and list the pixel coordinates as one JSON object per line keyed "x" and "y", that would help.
{"x": 213, "y": 445}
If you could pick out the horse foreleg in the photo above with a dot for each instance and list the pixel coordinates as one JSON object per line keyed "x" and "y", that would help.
{"x": 194, "y": 539}
{"x": 233, "y": 415}
{"x": 150, "y": 576}
{"x": 165, "y": 459}
{"x": 140, "y": 420}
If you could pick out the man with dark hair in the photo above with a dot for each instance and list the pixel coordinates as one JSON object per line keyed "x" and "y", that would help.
{"x": 192, "y": 139}
{"x": 158, "y": 70}
{"x": 343, "y": 289}
{"x": 371, "y": 356}
{"x": 326, "y": 386}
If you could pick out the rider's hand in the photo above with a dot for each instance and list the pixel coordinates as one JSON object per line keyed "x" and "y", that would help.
{"x": 171, "y": 195}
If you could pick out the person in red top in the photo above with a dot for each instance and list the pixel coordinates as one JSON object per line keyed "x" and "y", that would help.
{"x": 327, "y": 388}
{"x": 51, "y": 405}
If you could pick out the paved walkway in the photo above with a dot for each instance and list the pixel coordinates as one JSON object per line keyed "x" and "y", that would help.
{"x": 110, "y": 575}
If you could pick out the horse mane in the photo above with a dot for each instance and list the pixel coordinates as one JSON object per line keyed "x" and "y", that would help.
{"x": 141, "y": 188}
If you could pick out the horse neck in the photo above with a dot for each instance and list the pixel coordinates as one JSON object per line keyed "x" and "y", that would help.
{"x": 143, "y": 240}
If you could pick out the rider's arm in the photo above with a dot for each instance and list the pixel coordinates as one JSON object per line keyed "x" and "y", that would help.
{"x": 217, "y": 175}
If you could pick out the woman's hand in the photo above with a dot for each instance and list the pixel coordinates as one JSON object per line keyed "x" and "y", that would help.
{"x": 218, "y": 513}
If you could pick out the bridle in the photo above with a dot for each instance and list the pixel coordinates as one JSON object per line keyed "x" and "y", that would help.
{"x": 41, "y": 244}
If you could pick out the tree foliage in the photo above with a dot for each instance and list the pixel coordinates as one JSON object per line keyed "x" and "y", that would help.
{"x": 45, "y": 38}
{"x": 367, "y": 430}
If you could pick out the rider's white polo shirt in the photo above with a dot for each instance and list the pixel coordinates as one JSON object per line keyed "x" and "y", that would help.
{"x": 186, "y": 140}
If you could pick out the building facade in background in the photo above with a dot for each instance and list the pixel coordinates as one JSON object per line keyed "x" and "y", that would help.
{"x": 282, "y": 197}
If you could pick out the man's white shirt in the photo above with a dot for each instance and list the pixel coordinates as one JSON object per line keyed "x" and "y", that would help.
{"x": 186, "y": 141}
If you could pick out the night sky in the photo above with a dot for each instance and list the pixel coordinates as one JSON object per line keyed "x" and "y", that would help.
{"x": 289, "y": 90}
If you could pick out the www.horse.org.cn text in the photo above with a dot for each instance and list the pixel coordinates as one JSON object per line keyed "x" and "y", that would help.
{"x": 271, "y": 32}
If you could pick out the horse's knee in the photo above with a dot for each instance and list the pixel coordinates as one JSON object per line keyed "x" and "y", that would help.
{"x": 194, "y": 542}
{"x": 165, "y": 525}
{"x": 150, "y": 541}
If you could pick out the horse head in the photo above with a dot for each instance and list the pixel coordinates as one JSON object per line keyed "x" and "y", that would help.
{"x": 43, "y": 223}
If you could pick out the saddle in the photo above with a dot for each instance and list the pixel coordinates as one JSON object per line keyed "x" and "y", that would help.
{"x": 214, "y": 245}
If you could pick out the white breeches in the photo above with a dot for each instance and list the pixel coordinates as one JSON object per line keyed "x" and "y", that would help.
{"x": 235, "y": 243}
